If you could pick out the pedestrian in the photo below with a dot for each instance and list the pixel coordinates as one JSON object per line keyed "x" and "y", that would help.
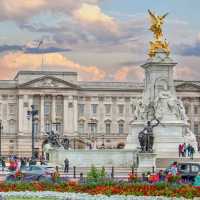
{"x": 66, "y": 162}
{"x": 180, "y": 150}
{"x": 188, "y": 150}
{"x": 173, "y": 169}
{"x": 192, "y": 151}
{"x": 81, "y": 180}
{"x": 3, "y": 164}
{"x": 23, "y": 163}
{"x": 184, "y": 150}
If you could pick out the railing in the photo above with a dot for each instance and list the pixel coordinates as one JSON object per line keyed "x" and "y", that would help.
{"x": 112, "y": 172}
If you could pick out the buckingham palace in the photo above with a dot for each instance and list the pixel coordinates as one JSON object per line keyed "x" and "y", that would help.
{"x": 78, "y": 110}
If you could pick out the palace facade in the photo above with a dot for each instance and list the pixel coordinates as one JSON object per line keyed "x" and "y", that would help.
{"x": 78, "y": 110}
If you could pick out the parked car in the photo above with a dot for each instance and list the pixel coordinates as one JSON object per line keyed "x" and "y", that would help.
{"x": 187, "y": 170}
{"x": 33, "y": 173}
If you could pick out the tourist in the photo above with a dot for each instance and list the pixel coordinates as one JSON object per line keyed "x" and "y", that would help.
{"x": 173, "y": 169}
{"x": 66, "y": 163}
{"x": 81, "y": 180}
{"x": 23, "y": 163}
{"x": 3, "y": 164}
{"x": 188, "y": 150}
{"x": 184, "y": 150}
{"x": 161, "y": 175}
{"x": 192, "y": 151}
{"x": 180, "y": 148}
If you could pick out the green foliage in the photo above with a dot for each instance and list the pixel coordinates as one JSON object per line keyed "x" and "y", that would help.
{"x": 96, "y": 175}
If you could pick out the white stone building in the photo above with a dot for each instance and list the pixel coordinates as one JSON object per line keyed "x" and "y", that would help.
{"x": 78, "y": 110}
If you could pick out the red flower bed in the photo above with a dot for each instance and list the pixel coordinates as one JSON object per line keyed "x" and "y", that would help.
{"x": 122, "y": 189}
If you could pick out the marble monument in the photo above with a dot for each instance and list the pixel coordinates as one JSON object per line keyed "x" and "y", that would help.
{"x": 159, "y": 100}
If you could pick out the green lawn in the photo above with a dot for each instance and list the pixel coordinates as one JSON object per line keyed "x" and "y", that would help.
{"x": 26, "y": 198}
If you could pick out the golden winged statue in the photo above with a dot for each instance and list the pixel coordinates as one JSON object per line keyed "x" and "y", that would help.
{"x": 156, "y": 24}
{"x": 156, "y": 27}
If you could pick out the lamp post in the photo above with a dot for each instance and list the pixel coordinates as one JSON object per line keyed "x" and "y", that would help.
{"x": 1, "y": 127}
{"x": 103, "y": 145}
{"x": 31, "y": 114}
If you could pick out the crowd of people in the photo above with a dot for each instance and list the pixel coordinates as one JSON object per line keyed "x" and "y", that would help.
{"x": 15, "y": 163}
{"x": 186, "y": 150}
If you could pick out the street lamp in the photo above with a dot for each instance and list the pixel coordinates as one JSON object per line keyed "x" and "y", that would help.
{"x": 31, "y": 114}
{"x": 103, "y": 145}
{"x": 1, "y": 127}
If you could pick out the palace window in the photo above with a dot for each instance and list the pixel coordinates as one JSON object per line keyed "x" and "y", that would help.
{"x": 121, "y": 126}
{"x": 187, "y": 109}
{"x": 108, "y": 127}
{"x": 59, "y": 109}
{"x": 81, "y": 109}
{"x": 195, "y": 110}
{"x": 47, "y": 108}
{"x": 121, "y": 109}
{"x": 92, "y": 128}
{"x": 12, "y": 126}
{"x": 81, "y": 126}
{"x": 12, "y": 109}
{"x": 47, "y": 127}
{"x": 57, "y": 127}
{"x": 59, "y": 106}
{"x": 107, "y": 108}
{"x": 94, "y": 108}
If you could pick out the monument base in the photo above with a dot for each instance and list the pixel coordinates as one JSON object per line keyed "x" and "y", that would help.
{"x": 146, "y": 162}
{"x": 99, "y": 157}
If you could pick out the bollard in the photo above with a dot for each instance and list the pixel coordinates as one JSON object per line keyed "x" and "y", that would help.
{"x": 153, "y": 169}
{"x": 74, "y": 171}
{"x": 112, "y": 172}
{"x": 132, "y": 169}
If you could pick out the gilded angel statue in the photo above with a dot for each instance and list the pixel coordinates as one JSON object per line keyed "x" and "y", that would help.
{"x": 156, "y": 24}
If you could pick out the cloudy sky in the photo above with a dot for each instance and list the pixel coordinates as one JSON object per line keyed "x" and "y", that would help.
{"x": 100, "y": 39}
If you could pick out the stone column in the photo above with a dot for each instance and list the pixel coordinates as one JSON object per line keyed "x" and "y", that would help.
{"x": 20, "y": 113}
{"x": 65, "y": 115}
{"x": 75, "y": 103}
{"x": 53, "y": 113}
{"x": 30, "y": 103}
{"x": 42, "y": 129}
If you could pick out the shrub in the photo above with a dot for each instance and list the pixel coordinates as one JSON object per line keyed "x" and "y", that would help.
{"x": 96, "y": 175}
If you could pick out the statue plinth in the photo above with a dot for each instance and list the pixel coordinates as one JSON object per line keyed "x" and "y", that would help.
{"x": 146, "y": 162}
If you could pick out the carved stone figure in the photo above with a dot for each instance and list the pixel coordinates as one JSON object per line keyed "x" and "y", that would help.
{"x": 165, "y": 103}
{"x": 190, "y": 138}
{"x": 146, "y": 137}
{"x": 140, "y": 110}
{"x": 161, "y": 103}
{"x": 181, "y": 110}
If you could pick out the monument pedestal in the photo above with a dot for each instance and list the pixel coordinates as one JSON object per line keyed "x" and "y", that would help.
{"x": 146, "y": 162}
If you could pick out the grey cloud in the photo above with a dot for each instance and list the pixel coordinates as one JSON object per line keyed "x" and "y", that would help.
{"x": 80, "y": 36}
{"x": 4, "y": 48}
{"x": 32, "y": 50}
{"x": 188, "y": 50}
